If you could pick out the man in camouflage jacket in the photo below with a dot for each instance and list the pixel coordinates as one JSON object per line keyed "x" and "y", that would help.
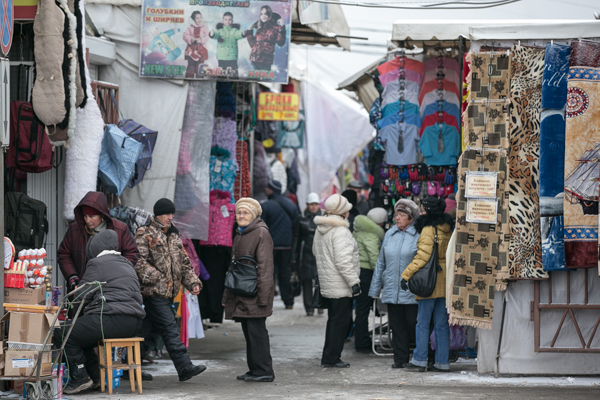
{"x": 162, "y": 267}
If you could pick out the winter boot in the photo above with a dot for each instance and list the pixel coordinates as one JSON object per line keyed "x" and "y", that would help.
{"x": 80, "y": 381}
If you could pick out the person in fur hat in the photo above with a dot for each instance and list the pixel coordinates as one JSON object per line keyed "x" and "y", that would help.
{"x": 227, "y": 35}
{"x": 432, "y": 222}
{"x": 338, "y": 266}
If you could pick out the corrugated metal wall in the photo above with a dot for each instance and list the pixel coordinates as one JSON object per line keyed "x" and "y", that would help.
{"x": 49, "y": 188}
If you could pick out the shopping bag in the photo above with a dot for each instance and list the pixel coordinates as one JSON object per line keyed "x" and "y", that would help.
{"x": 147, "y": 137}
{"x": 458, "y": 338}
{"x": 118, "y": 156}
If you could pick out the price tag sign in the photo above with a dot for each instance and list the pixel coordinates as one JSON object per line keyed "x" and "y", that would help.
{"x": 481, "y": 185}
{"x": 482, "y": 211}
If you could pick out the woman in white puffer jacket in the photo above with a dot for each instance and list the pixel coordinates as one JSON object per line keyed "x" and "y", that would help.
{"x": 338, "y": 267}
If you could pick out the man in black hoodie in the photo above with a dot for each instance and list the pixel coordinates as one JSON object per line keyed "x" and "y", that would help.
{"x": 115, "y": 311}
{"x": 280, "y": 215}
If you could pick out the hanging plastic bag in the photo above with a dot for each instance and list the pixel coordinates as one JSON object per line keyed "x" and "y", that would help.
{"x": 195, "y": 328}
{"x": 119, "y": 154}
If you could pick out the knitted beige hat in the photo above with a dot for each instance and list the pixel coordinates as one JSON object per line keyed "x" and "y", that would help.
{"x": 249, "y": 204}
{"x": 407, "y": 206}
{"x": 337, "y": 205}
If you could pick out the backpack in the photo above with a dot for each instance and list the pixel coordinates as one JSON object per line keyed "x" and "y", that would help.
{"x": 147, "y": 137}
{"x": 25, "y": 221}
{"x": 29, "y": 149}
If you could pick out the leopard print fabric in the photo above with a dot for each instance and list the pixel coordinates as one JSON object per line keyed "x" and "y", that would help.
{"x": 525, "y": 248}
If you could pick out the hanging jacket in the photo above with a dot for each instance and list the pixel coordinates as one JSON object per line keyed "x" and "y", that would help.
{"x": 302, "y": 254}
{"x": 254, "y": 241}
{"x": 222, "y": 174}
{"x": 368, "y": 235}
{"x": 426, "y": 224}
{"x": 221, "y": 219}
{"x": 227, "y": 41}
{"x": 71, "y": 252}
{"x": 265, "y": 38}
{"x": 163, "y": 265}
{"x": 397, "y": 252}
{"x": 336, "y": 253}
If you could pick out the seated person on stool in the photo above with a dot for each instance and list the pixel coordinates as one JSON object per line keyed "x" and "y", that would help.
{"x": 119, "y": 303}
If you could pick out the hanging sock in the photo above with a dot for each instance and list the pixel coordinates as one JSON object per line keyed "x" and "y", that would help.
{"x": 440, "y": 142}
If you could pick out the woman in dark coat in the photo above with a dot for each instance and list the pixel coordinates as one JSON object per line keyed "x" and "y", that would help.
{"x": 91, "y": 217}
{"x": 303, "y": 258}
{"x": 270, "y": 31}
{"x": 253, "y": 239}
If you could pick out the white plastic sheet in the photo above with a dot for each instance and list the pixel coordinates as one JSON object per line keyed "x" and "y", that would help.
{"x": 517, "y": 355}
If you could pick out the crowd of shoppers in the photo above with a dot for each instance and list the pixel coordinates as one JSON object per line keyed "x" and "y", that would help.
{"x": 343, "y": 247}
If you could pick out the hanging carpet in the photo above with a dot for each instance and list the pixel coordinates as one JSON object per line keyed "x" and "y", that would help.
{"x": 525, "y": 249}
{"x": 581, "y": 156}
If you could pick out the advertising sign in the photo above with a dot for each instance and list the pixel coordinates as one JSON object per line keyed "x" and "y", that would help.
{"x": 278, "y": 106}
{"x": 210, "y": 39}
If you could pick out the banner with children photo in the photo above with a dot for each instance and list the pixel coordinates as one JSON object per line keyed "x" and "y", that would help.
{"x": 210, "y": 39}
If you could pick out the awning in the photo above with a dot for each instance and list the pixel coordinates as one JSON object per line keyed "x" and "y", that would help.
{"x": 541, "y": 29}
{"x": 362, "y": 84}
{"x": 333, "y": 31}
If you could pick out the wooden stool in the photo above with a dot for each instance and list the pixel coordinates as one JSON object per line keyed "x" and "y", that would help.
{"x": 134, "y": 362}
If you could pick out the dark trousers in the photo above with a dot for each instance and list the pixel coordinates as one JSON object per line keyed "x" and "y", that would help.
{"x": 403, "y": 321}
{"x": 160, "y": 321}
{"x": 86, "y": 333}
{"x": 216, "y": 259}
{"x": 362, "y": 340}
{"x": 282, "y": 260}
{"x": 262, "y": 66}
{"x": 258, "y": 349}
{"x": 230, "y": 64}
{"x": 339, "y": 319}
{"x": 307, "y": 295}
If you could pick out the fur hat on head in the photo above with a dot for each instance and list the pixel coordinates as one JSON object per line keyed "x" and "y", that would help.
{"x": 377, "y": 215}
{"x": 249, "y": 204}
{"x": 337, "y": 205}
{"x": 433, "y": 205}
{"x": 408, "y": 207}
{"x": 351, "y": 196}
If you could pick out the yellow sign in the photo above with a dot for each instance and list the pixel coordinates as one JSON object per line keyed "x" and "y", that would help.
{"x": 278, "y": 106}
{"x": 481, "y": 211}
{"x": 480, "y": 185}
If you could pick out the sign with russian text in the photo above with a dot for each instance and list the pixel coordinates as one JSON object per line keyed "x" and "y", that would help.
{"x": 278, "y": 106}
{"x": 210, "y": 40}
{"x": 480, "y": 184}
{"x": 482, "y": 211}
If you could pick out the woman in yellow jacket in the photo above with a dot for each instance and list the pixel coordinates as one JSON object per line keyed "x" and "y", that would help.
{"x": 432, "y": 217}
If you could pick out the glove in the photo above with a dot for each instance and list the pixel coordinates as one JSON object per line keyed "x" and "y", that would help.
{"x": 404, "y": 285}
{"x": 73, "y": 282}
{"x": 356, "y": 290}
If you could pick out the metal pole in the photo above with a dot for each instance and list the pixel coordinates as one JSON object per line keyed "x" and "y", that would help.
{"x": 496, "y": 365}
{"x": 251, "y": 139}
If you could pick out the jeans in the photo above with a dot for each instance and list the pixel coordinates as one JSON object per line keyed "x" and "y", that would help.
{"x": 362, "y": 339}
{"x": 437, "y": 309}
{"x": 160, "y": 321}
{"x": 87, "y": 332}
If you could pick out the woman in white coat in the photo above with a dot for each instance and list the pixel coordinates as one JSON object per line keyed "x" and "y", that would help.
{"x": 338, "y": 265}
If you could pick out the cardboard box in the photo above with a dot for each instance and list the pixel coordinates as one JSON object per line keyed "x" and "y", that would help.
{"x": 28, "y": 327}
{"x": 21, "y": 362}
{"x": 25, "y": 296}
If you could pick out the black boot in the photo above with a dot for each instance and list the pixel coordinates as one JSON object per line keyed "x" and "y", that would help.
{"x": 80, "y": 381}
{"x": 190, "y": 371}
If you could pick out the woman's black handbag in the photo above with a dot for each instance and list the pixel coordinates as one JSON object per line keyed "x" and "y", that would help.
{"x": 318, "y": 300}
{"x": 241, "y": 277}
{"x": 422, "y": 283}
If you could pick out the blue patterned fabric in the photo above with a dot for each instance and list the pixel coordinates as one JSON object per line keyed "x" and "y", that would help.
{"x": 552, "y": 148}
{"x": 222, "y": 174}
